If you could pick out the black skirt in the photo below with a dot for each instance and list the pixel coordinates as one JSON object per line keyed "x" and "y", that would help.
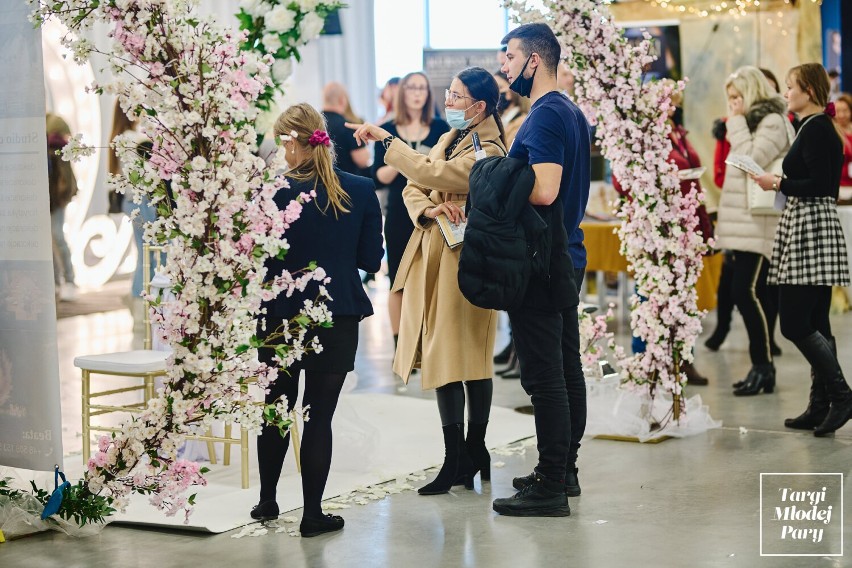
{"x": 339, "y": 344}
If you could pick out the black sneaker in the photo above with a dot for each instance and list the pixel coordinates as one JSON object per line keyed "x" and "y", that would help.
{"x": 542, "y": 498}
{"x": 325, "y": 524}
{"x": 572, "y": 482}
{"x": 265, "y": 511}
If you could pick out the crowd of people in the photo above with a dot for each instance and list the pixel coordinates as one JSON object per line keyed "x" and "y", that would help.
{"x": 778, "y": 266}
{"x": 516, "y": 114}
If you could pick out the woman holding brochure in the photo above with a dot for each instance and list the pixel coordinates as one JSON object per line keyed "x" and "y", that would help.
{"x": 448, "y": 338}
{"x": 809, "y": 254}
{"x": 758, "y": 130}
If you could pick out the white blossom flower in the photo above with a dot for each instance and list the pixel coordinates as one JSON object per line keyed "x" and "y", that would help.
{"x": 271, "y": 42}
{"x": 308, "y": 5}
{"x": 281, "y": 69}
{"x": 310, "y": 26}
{"x": 280, "y": 19}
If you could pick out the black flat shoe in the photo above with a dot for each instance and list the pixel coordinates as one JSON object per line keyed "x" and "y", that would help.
{"x": 265, "y": 511}
{"x": 325, "y": 524}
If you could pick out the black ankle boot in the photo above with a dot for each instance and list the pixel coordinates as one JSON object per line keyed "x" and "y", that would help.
{"x": 503, "y": 357}
{"x": 453, "y": 472}
{"x": 760, "y": 377}
{"x": 715, "y": 341}
{"x": 818, "y": 402}
{"x": 817, "y": 350}
{"x": 478, "y": 451}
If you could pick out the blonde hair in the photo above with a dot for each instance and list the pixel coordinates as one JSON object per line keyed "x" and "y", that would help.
{"x": 752, "y": 84}
{"x": 304, "y": 120}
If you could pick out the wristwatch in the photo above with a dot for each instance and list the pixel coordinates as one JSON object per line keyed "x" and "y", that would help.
{"x": 775, "y": 183}
{"x": 386, "y": 142}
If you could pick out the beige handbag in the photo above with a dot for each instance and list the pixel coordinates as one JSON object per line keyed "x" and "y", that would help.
{"x": 763, "y": 202}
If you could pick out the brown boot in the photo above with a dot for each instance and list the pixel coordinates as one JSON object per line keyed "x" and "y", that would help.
{"x": 692, "y": 376}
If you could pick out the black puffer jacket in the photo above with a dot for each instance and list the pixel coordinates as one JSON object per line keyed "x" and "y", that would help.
{"x": 504, "y": 235}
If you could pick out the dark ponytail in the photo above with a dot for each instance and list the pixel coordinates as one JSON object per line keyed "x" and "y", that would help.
{"x": 483, "y": 87}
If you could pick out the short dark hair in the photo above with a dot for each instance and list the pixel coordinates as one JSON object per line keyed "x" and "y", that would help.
{"x": 537, "y": 38}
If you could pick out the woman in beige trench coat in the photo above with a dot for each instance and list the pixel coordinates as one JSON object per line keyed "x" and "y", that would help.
{"x": 448, "y": 338}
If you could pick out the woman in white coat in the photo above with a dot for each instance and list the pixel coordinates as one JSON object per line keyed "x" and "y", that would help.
{"x": 758, "y": 128}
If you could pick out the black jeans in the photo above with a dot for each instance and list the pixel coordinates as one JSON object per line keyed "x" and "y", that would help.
{"x": 548, "y": 347}
{"x": 752, "y": 297}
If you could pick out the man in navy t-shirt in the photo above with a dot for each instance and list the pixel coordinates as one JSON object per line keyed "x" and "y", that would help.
{"x": 560, "y": 134}
{"x": 554, "y": 139}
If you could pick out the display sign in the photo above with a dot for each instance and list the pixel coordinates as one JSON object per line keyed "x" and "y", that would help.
{"x": 30, "y": 420}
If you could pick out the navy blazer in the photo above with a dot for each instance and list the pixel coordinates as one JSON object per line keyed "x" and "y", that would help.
{"x": 340, "y": 245}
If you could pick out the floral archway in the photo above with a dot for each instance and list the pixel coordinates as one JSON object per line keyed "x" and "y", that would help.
{"x": 195, "y": 90}
{"x": 658, "y": 231}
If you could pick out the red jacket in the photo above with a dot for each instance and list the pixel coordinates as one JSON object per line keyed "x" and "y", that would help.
{"x": 845, "y": 178}
{"x": 684, "y": 156}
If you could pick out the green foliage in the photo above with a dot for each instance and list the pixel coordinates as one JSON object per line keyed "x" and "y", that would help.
{"x": 78, "y": 503}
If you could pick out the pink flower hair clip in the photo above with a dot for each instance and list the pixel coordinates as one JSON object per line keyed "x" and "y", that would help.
{"x": 830, "y": 110}
{"x": 319, "y": 137}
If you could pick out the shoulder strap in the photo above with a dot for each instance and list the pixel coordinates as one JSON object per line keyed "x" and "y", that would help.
{"x": 802, "y": 127}
{"x": 469, "y": 146}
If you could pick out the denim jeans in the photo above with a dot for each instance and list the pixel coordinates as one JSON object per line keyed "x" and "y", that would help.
{"x": 62, "y": 258}
{"x": 147, "y": 214}
{"x": 548, "y": 347}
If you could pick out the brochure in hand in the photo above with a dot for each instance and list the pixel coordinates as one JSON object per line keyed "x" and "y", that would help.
{"x": 744, "y": 163}
{"x": 453, "y": 233}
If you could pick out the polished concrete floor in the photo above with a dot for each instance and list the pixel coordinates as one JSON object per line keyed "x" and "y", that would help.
{"x": 687, "y": 502}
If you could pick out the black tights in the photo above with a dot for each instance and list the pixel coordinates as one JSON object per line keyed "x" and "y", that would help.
{"x": 804, "y": 310}
{"x": 322, "y": 391}
{"x": 451, "y": 401}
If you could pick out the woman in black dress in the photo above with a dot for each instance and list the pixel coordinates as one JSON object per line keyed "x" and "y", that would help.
{"x": 415, "y": 124}
{"x": 341, "y": 229}
{"x": 809, "y": 252}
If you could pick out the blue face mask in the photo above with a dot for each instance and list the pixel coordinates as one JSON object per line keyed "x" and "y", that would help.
{"x": 456, "y": 119}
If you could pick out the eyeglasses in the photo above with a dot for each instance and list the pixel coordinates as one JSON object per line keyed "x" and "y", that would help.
{"x": 416, "y": 88}
{"x": 452, "y": 97}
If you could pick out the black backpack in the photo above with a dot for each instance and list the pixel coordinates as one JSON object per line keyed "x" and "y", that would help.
{"x": 504, "y": 238}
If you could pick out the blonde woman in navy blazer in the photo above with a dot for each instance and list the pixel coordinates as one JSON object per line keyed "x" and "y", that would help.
{"x": 340, "y": 230}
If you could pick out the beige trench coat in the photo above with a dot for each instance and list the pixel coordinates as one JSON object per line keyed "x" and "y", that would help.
{"x": 440, "y": 332}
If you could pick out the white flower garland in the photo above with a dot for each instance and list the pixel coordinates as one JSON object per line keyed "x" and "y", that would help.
{"x": 194, "y": 93}
{"x": 659, "y": 230}
{"x": 279, "y": 28}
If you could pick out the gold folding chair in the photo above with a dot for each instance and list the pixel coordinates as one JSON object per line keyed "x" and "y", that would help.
{"x": 148, "y": 364}
{"x": 145, "y": 364}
